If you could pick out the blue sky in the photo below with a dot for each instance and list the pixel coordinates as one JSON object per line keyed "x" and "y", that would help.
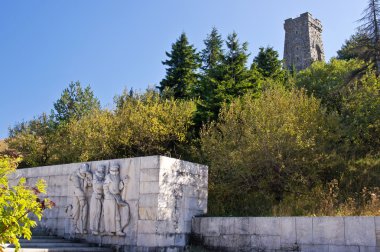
{"x": 110, "y": 45}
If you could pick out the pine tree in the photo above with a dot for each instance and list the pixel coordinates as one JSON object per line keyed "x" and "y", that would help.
{"x": 267, "y": 63}
{"x": 371, "y": 27}
{"x": 236, "y": 77}
{"x": 181, "y": 73}
{"x": 212, "y": 55}
{"x": 75, "y": 102}
{"x": 212, "y": 58}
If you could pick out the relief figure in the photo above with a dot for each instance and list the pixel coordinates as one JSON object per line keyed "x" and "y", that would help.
{"x": 80, "y": 180}
{"x": 113, "y": 202}
{"x": 96, "y": 204}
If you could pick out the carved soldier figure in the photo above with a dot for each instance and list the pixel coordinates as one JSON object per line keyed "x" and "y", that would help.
{"x": 96, "y": 203}
{"x": 113, "y": 201}
{"x": 80, "y": 179}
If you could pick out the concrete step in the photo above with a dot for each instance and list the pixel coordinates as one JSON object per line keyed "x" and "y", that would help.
{"x": 43, "y": 237}
{"x": 63, "y": 249}
{"x": 53, "y": 245}
{"x": 44, "y": 240}
{"x": 46, "y": 243}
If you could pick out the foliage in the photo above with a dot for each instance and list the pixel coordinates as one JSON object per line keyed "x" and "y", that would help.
{"x": 141, "y": 125}
{"x": 34, "y": 140}
{"x": 371, "y": 28}
{"x": 17, "y": 203}
{"x": 75, "y": 102}
{"x": 267, "y": 62}
{"x": 261, "y": 149}
{"x": 181, "y": 72}
{"x": 361, "y": 116}
{"x": 328, "y": 81}
{"x": 358, "y": 46}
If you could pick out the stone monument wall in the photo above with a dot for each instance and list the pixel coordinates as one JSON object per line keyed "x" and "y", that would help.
{"x": 149, "y": 204}
{"x": 288, "y": 233}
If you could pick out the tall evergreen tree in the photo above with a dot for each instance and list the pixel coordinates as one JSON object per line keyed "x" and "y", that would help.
{"x": 212, "y": 55}
{"x": 181, "y": 72}
{"x": 236, "y": 77}
{"x": 268, "y": 63}
{"x": 371, "y": 27}
{"x": 212, "y": 58}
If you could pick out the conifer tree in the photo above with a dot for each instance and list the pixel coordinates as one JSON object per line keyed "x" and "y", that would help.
{"x": 181, "y": 72}
{"x": 371, "y": 27}
{"x": 268, "y": 63}
{"x": 75, "y": 102}
{"x": 236, "y": 77}
{"x": 212, "y": 58}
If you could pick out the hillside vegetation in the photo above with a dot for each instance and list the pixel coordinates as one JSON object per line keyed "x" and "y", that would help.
{"x": 277, "y": 142}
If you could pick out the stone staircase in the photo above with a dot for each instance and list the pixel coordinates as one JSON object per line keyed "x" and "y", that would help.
{"x": 48, "y": 243}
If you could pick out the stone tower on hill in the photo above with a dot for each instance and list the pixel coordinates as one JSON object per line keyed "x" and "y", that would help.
{"x": 303, "y": 42}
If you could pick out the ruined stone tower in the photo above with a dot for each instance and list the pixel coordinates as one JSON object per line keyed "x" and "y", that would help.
{"x": 303, "y": 42}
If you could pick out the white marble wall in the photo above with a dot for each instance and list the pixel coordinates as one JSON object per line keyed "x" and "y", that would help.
{"x": 288, "y": 233}
{"x": 163, "y": 194}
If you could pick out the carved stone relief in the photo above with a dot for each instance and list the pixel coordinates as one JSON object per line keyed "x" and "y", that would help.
{"x": 106, "y": 201}
{"x": 96, "y": 204}
{"x": 113, "y": 202}
{"x": 80, "y": 180}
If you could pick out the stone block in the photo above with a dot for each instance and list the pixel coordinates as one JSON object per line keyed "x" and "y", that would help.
{"x": 266, "y": 242}
{"x": 314, "y": 248}
{"x": 268, "y": 226}
{"x": 227, "y": 241}
{"x": 165, "y": 240}
{"x": 146, "y": 240}
{"x": 164, "y": 227}
{"x": 342, "y": 248}
{"x": 146, "y": 226}
{"x": 242, "y": 241}
{"x": 165, "y": 213}
{"x": 149, "y": 175}
{"x": 150, "y": 162}
{"x": 252, "y": 225}
{"x": 377, "y": 223}
{"x": 148, "y": 200}
{"x": 288, "y": 230}
{"x": 167, "y": 163}
{"x": 369, "y": 249}
{"x": 360, "y": 231}
{"x": 147, "y": 213}
{"x": 196, "y": 225}
{"x": 328, "y": 230}
{"x": 166, "y": 201}
{"x": 149, "y": 187}
{"x": 304, "y": 230}
{"x": 181, "y": 240}
{"x": 227, "y": 226}
{"x": 211, "y": 241}
{"x": 210, "y": 226}
{"x": 241, "y": 225}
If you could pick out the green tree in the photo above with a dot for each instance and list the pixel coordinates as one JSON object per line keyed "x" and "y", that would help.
{"x": 181, "y": 72}
{"x": 329, "y": 81}
{"x": 268, "y": 63}
{"x": 34, "y": 140}
{"x": 361, "y": 116}
{"x": 358, "y": 46}
{"x": 142, "y": 124}
{"x": 212, "y": 59}
{"x": 17, "y": 204}
{"x": 371, "y": 27}
{"x": 263, "y": 149}
{"x": 75, "y": 102}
